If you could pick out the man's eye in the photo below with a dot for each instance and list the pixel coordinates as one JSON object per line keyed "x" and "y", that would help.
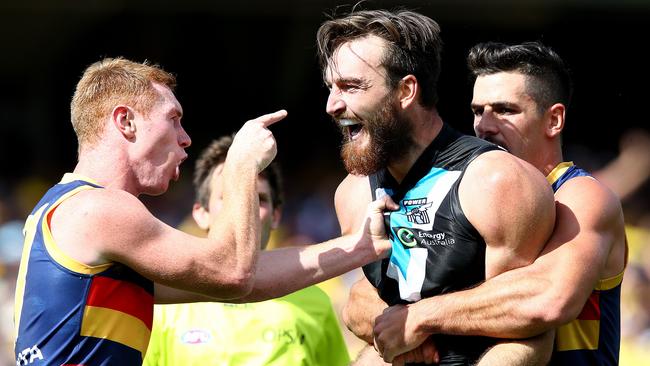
{"x": 503, "y": 111}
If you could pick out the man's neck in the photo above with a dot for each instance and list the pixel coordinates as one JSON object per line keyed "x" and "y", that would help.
{"x": 550, "y": 159}
{"x": 108, "y": 170}
{"x": 426, "y": 127}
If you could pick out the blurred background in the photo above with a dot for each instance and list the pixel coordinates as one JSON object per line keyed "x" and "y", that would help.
{"x": 237, "y": 60}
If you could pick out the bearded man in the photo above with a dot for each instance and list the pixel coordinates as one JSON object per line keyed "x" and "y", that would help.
{"x": 468, "y": 210}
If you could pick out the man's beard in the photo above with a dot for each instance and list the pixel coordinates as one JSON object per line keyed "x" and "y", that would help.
{"x": 389, "y": 136}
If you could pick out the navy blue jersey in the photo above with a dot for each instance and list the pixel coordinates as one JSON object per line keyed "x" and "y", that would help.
{"x": 594, "y": 337}
{"x": 69, "y": 313}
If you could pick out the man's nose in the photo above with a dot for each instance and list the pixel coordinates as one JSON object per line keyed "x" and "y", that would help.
{"x": 484, "y": 124}
{"x": 335, "y": 104}
{"x": 184, "y": 139}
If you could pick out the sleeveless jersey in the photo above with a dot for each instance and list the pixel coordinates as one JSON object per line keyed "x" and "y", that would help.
{"x": 435, "y": 249}
{"x": 594, "y": 337}
{"x": 68, "y": 313}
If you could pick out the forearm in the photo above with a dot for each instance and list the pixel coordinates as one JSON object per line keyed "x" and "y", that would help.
{"x": 512, "y": 305}
{"x": 534, "y": 351}
{"x": 361, "y": 309}
{"x": 237, "y": 226}
{"x": 283, "y": 271}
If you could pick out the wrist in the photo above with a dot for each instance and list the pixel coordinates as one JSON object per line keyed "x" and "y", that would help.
{"x": 425, "y": 322}
{"x": 361, "y": 247}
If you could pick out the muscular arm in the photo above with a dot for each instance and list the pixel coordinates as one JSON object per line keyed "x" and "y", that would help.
{"x": 285, "y": 270}
{"x": 110, "y": 225}
{"x": 511, "y": 205}
{"x": 363, "y": 304}
{"x": 587, "y": 244}
{"x": 515, "y": 227}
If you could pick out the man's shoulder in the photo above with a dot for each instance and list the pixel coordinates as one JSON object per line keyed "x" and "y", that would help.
{"x": 351, "y": 199}
{"x": 498, "y": 169}
{"x": 591, "y": 205}
{"x": 587, "y": 193}
{"x": 107, "y": 216}
{"x": 353, "y": 184}
{"x": 503, "y": 196}
{"x": 353, "y": 189}
{"x": 95, "y": 207}
{"x": 96, "y": 199}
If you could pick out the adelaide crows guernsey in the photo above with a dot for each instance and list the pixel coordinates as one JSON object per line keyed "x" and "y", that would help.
{"x": 594, "y": 337}
{"x": 435, "y": 249}
{"x": 68, "y": 313}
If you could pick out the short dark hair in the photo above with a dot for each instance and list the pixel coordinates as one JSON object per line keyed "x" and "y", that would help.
{"x": 214, "y": 155}
{"x": 551, "y": 81}
{"x": 413, "y": 41}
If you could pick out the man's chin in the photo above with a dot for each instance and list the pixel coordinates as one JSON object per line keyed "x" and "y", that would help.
{"x": 361, "y": 163}
{"x": 157, "y": 190}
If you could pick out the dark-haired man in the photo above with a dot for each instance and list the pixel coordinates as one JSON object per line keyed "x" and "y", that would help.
{"x": 521, "y": 94}
{"x": 468, "y": 210}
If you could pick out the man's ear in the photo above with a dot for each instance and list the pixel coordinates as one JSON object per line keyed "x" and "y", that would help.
{"x": 555, "y": 124}
{"x": 201, "y": 216}
{"x": 122, "y": 117}
{"x": 407, "y": 91}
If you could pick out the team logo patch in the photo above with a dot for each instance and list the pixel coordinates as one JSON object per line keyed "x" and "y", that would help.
{"x": 412, "y": 237}
{"x": 196, "y": 336}
{"x": 407, "y": 237}
{"x": 419, "y": 214}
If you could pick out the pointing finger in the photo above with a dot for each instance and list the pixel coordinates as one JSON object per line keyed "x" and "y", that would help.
{"x": 271, "y": 118}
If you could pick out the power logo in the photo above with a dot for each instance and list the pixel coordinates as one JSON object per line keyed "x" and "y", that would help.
{"x": 29, "y": 355}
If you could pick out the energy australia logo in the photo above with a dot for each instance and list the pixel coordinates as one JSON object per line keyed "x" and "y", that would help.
{"x": 419, "y": 214}
{"x": 406, "y": 237}
{"x": 411, "y": 237}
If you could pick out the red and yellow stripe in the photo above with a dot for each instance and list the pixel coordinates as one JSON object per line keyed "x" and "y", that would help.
{"x": 119, "y": 311}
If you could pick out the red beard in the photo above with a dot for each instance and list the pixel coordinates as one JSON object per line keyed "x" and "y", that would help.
{"x": 389, "y": 136}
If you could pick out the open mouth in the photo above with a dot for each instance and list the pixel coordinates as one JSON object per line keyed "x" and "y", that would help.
{"x": 353, "y": 127}
{"x": 177, "y": 173}
{"x": 177, "y": 169}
